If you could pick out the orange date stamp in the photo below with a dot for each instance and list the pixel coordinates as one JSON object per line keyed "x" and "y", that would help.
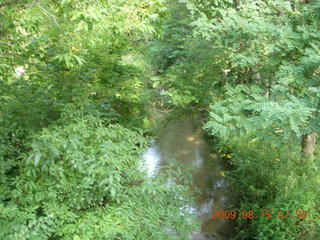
{"x": 262, "y": 214}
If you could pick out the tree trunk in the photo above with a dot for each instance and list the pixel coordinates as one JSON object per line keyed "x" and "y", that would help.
{"x": 308, "y": 145}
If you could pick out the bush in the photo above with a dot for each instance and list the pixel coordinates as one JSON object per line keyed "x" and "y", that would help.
{"x": 83, "y": 181}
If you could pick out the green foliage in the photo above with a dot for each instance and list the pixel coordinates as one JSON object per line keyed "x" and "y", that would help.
{"x": 246, "y": 112}
{"x": 74, "y": 86}
{"x": 270, "y": 176}
{"x": 264, "y": 134}
{"x": 254, "y": 43}
{"x": 254, "y": 65}
{"x": 71, "y": 118}
{"x": 83, "y": 181}
{"x": 168, "y": 49}
{"x": 76, "y": 49}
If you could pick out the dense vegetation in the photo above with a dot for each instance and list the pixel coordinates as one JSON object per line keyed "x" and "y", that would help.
{"x": 253, "y": 66}
{"x": 72, "y": 124}
{"x": 76, "y": 82}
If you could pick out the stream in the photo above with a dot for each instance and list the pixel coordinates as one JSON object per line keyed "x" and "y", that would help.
{"x": 185, "y": 141}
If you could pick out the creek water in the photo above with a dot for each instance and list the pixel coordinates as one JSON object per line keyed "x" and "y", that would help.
{"x": 185, "y": 142}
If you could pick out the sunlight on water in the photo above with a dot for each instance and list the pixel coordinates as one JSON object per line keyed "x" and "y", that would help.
{"x": 152, "y": 158}
{"x": 184, "y": 141}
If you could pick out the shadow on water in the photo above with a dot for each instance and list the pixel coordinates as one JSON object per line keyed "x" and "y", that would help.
{"x": 185, "y": 141}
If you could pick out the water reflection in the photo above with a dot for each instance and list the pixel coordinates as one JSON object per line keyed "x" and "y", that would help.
{"x": 185, "y": 142}
{"x": 152, "y": 158}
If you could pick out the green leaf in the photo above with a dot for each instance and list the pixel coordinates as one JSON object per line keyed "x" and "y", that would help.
{"x": 37, "y": 158}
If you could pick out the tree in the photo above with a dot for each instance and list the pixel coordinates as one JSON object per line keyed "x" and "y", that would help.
{"x": 254, "y": 66}
{"x": 72, "y": 124}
